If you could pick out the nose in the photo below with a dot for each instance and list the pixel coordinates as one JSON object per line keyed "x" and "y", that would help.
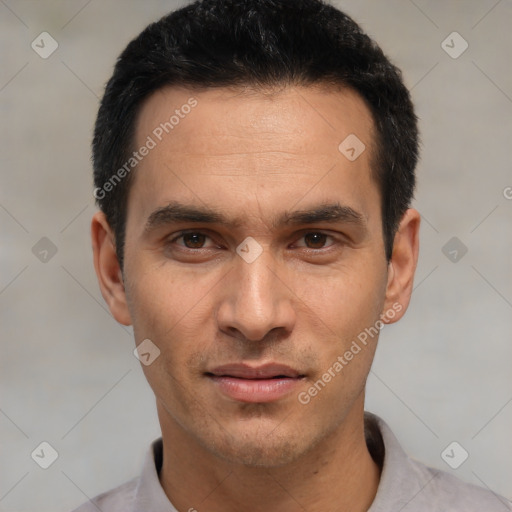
{"x": 256, "y": 301}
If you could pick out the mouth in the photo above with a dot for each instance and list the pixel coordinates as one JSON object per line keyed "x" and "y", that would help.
{"x": 250, "y": 384}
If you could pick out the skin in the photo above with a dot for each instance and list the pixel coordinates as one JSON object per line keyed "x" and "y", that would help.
{"x": 252, "y": 157}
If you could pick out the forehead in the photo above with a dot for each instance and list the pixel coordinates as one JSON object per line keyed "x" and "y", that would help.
{"x": 217, "y": 144}
{"x": 293, "y": 112}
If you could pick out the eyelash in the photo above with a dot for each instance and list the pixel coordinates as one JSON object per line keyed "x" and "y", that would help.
{"x": 183, "y": 247}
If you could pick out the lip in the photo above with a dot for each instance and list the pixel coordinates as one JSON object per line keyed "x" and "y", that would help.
{"x": 264, "y": 371}
{"x": 255, "y": 384}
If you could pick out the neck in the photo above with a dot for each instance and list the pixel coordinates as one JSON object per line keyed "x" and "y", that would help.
{"x": 337, "y": 474}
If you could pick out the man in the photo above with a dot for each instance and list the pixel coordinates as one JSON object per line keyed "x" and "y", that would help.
{"x": 254, "y": 166}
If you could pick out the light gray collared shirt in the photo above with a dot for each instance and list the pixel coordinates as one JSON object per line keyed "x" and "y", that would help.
{"x": 405, "y": 485}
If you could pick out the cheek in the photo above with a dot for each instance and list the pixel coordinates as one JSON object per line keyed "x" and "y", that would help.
{"x": 174, "y": 311}
{"x": 345, "y": 301}
{"x": 161, "y": 298}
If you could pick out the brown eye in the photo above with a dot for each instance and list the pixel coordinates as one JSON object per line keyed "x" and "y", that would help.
{"x": 315, "y": 240}
{"x": 194, "y": 240}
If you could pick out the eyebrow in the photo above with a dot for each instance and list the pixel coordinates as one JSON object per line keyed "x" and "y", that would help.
{"x": 175, "y": 212}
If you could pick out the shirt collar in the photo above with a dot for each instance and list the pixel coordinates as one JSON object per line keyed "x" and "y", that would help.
{"x": 397, "y": 484}
{"x": 149, "y": 495}
{"x": 401, "y": 478}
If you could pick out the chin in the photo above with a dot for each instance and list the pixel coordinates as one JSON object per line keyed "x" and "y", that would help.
{"x": 259, "y": 454}
{"x": 260, "y": 446}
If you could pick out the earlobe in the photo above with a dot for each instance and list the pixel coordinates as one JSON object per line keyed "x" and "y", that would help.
{"x": 107, "y": 268}
{"x": 402, "y": 267}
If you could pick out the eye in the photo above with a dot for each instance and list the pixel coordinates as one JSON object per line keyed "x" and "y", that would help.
{"x": 192, "y": 240}
{"x": 315, "y": 240}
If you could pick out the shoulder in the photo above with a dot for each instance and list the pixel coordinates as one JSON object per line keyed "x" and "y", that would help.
{"x": 410, "y": 486}
{"x": 444, "y": 492}
{"x": 115, "y": 500}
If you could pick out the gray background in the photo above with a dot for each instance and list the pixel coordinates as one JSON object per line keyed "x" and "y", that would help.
{"x": 68, "y": 374}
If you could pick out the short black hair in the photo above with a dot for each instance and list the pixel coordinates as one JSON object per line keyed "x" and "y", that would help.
{"x": 261, "y": 44}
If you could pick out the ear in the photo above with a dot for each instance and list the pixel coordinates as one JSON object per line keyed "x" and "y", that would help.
{"x": 402, "y": 267}
{"x": 108, "y": 271}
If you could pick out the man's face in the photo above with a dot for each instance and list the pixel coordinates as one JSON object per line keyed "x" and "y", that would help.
{"x": 298, "y": 293}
